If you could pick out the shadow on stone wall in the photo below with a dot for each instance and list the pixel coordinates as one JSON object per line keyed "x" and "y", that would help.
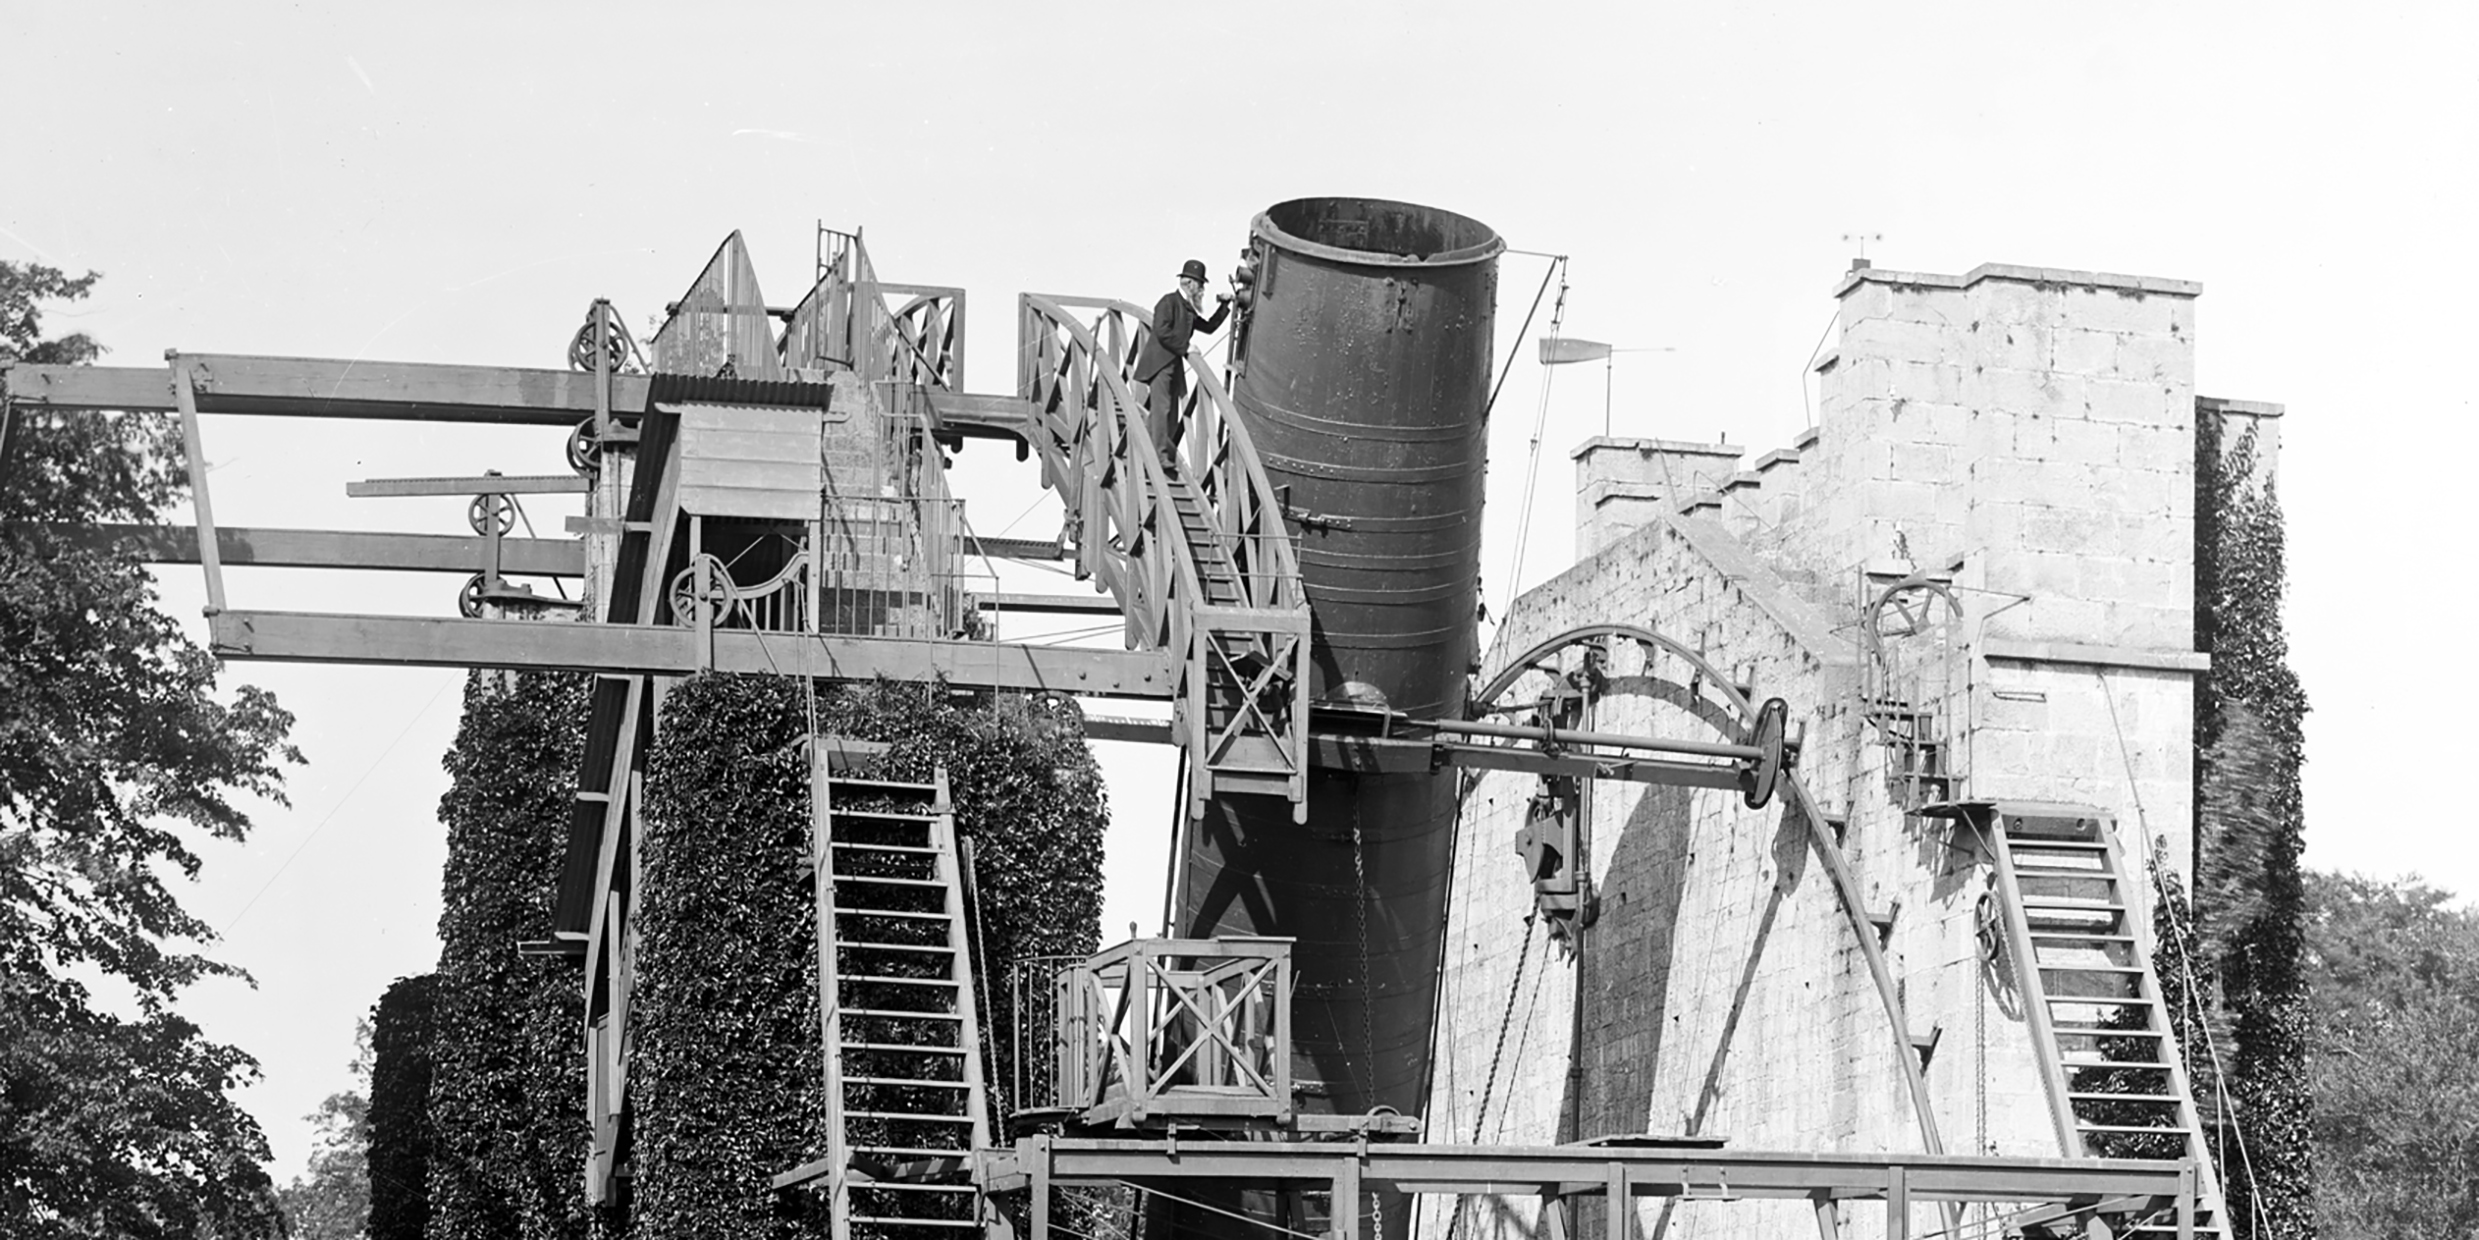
{"x": 1624, "y": 987}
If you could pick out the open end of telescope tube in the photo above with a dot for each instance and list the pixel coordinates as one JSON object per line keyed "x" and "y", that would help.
{"x": 1375, "y": 230}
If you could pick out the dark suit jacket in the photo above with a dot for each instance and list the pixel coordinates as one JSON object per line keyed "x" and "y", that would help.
{"x": 1174, "y": 321}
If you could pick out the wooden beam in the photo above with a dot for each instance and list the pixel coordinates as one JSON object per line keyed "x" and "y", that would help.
{"x": 1050, "y": 604}
{"x": 334, "y": 388}
{"x": 480, "y": 484}
{"x": 276, "y": 548}
{"x": 184, "y": 399}
{"x": 315, "y": 637}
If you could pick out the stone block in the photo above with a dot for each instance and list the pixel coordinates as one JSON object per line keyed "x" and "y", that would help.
{"x": 2167, "y": 361}
{"x": 2135, "y": 402}
{"x": 2079, "y": 442}
{"x": 2168, "y": 449}
{"x": 2011, "y": 303}
{"x": 1922, "y": 421}
{"x": 1939, "y": 382}
{"x": 2013, "y": 389}
{"x": 2012, "y": 346}
{"x": 1867, "y": 374}
{"x": 2121, "y": 310}
{"x": 1925, "y": 462}
{"x": 2084, "y": 351}
{"x": 2135, "y": 492}
{"x": 2166, "y": 539}
{"x": 2072, "y": 531}
{"x": 1897, "y": 340}
{"x": 1866, "y": 299}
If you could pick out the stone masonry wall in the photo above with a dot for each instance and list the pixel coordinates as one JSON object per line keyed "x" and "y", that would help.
{"x": 2023, "y": 434}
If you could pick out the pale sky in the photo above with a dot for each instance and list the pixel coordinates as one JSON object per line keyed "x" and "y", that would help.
{"x": 452, "y": 182}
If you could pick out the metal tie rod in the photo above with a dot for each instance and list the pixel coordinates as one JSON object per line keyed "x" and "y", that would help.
{"x": 1709, "y": 749}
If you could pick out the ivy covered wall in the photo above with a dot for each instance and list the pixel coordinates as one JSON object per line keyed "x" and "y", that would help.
{"x": 725, "y": 1085}
{"x": 507, "y": 1096}
{"x": 2244, "y": 942}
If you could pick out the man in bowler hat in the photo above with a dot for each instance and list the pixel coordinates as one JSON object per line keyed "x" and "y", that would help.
{"x": 1162, "y": 366}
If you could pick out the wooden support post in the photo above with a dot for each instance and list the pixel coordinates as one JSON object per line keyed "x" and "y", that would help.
{"x": 1343, "y": 1213}
{"x": 1039, "y": 1148}
{"x": 1897, "y": 1203}
{"x": 185, "y": 395}
{"x": 698, "y": 588}
{"x": 1828, "y": 1219}
{"x": 1621, "y": 1206}
{"x": 602, "y": 370}
{"x": 1553, "y": 1217}
{"x": 2186, "y": 1201}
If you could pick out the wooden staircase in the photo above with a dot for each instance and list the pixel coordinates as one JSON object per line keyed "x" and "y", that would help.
{"x": 1244, "y": 697}
{"x": 2081, "y": 947}
{"x": 906, "y": 1103}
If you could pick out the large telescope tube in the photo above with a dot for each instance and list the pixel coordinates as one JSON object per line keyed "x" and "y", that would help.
{"x": 1363, "y": 380}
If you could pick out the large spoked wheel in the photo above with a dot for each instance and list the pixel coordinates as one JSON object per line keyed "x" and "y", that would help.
{"x": 469, "y": 599}
{"x": 684, "y": 591}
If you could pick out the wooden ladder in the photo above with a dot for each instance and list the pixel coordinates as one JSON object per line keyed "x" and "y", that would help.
{"x": 2081, "y": 947}
{"x": 905, "y": 1097}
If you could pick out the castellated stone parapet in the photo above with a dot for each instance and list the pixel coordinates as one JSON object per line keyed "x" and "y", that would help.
{"x": 2025, "y": 438}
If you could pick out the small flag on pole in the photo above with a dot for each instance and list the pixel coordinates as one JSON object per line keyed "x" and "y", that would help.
{"x": 1559, "y": 350}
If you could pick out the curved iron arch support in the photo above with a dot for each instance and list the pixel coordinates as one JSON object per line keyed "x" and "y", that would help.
{"x": 1820, "y": 840}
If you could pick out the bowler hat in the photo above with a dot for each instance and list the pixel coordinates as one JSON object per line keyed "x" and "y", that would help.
{"x": 1192, "y": 270}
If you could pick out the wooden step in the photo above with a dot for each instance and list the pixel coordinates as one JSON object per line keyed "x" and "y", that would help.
{"x": 877, "y": 880}
{"x": 924, "y": 949}
{"x": 2149, "y": 1099}
{"x": 898, "y": 1014}
{"x": 924, "y": 1150}
{"x": 909, "y": 1048}
{"x": 906, "y": 1082}
{"x": 913, "y": 849}
{"x": 947, "y": 982}
{"x": 883, "y": 912}
{"x": 847, "y": 781}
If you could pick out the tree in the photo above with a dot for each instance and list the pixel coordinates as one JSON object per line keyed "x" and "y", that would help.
{"x": 116, "y": 755}
{"x": 331, "y": 1200}
{"x": 2396, "y": 1058}
{"x": 401, "y": 1137}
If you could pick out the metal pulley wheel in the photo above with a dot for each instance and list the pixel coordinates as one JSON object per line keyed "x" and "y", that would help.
{"x": 581, "y": 347}
{"x": 469, "y": 599}
{"x": 491, "y": 514}
{"x": 683, "y": 592}
{"x": 584, "y": 447}
{"x": 1760, "y": 775}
